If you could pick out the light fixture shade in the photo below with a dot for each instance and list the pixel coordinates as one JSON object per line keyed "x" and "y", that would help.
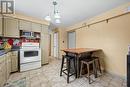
{"x": 57, "y": 15}
{"x": 57, "y": 21}
{"x": 48, "y": 18}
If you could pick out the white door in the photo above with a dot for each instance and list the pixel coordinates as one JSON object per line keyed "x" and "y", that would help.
{"x": 55, "y": 44}
{"x": 71, "y": 40}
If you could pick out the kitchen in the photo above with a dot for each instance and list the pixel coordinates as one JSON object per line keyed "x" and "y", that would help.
{"x": 90, "y": 49}
{"x": 22, "y": 44}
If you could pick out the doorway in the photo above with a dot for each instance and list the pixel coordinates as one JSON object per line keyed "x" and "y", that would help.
{"x": 72, "y": 39}
{"x": 55, "y": 45}
{"x": 50, "y": 44}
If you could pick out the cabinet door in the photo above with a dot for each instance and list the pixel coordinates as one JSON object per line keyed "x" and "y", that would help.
{"x": 1, "y": 26}
{"x": 2, "y": 70}
{"x": 8, "y": 65}
{"x": 4, "y": 77}
{"x": 11, "y": 27}
{"x": 25, "y": 25}
{"x": 36, "y": 27}
{"x": 45, "y": 48}
{"x": 14, "y": 61}
{"x": 45, "y": 29}
{"x": 1, "y": 75}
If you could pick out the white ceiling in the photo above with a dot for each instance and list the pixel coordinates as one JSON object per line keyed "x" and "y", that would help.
{"x": 72, "y": 11}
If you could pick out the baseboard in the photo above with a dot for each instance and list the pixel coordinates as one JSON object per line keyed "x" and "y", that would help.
{"x": 45, "y": 64}
{"x": 115, "y": 75}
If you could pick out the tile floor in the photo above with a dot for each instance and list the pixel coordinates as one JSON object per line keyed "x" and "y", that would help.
{"x": 48, "y": 76}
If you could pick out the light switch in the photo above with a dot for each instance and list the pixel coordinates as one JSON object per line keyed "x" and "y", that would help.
{"x": 128, "y": 9}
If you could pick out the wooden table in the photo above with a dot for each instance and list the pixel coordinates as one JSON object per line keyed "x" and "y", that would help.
{"x": 77, "y": 52}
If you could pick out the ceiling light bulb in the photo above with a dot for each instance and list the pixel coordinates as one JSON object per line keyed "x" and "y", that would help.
{"x": 57, "y": 21}
{"x": 57, "y": 15}
{"x": 48, "y": 18}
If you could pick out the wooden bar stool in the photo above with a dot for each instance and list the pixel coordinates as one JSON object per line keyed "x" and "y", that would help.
{"x": 88, "y": 62}
{"x": 68, "y": 66}
{"x": 97, "y": 66}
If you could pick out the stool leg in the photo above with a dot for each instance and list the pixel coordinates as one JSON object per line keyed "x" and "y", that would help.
{"x": 99, "y": 66}
{"x": 94, "y": 68}
{"x": 62, "y": 65}
{"x": 74, "y": 67}
{"x": 88, "y": 73}
{"x": 81, "y": 68}
{"x": 68, "y": 70}
{"x": 95, "y": 73}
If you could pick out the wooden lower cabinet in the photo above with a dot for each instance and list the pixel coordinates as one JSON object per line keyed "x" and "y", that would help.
{"x": 3, "y": 76}
{"x": 6, "y": 67}
{"x": 14, "y": 61}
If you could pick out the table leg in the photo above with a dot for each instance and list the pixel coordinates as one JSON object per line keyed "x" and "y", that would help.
{"x": 78, "y": 69}
{"x": 76, "y": 66}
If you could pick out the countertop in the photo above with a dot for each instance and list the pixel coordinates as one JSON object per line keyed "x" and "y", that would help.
{"x": 2, "y": 52}
{"x": 81, "y": 50}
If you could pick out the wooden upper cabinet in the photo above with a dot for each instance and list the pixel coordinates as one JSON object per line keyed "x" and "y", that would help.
{"x": 11, "y": 27}
{"x": 45, "y": 29}
{"x": 1, "y": 33}
{"x": 29, "y": 26}
{"x": 24, "y": 25}
{"x": 36, "y": 27}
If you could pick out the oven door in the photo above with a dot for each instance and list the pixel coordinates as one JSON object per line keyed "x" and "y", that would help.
{"x": 30, "y": 55}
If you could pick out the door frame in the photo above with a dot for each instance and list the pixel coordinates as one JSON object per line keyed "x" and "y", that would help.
{"x": 68, "y": 37}
{"x": 50, "y": 38}
{"x": 58, "y": 44}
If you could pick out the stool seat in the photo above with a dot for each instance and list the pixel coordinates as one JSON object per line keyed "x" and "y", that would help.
{"x": 68, "y": 57}
{"x": 87, "y": 61}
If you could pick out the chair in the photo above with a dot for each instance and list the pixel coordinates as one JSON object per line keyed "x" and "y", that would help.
{"x": 68, "y": 66}
{"x": 88, "y": 62}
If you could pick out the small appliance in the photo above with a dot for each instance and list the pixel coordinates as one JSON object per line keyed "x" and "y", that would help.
{"x": 27, "y": 34}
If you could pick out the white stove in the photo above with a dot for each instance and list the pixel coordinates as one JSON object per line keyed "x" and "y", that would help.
{"x": 30, "y": 56}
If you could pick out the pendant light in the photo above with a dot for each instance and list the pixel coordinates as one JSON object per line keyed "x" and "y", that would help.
{"x": 56, "y": 14}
